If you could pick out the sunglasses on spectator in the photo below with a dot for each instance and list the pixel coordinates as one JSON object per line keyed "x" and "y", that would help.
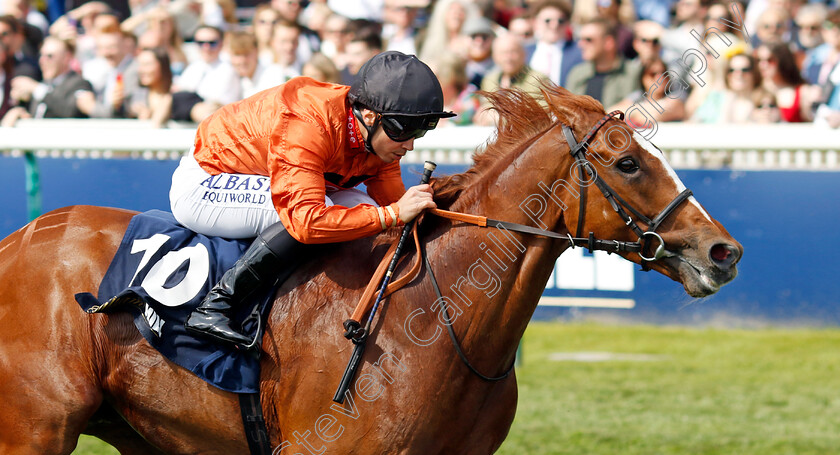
{"x": 745, "y": 69}
{"x": 811, "y": 27}
{"x": 558, "y": 20}
{"x": 211, "y": 43}
{"x": 768, "y": 106}
{"x": 654, "y": 41}
{"x": 403, "y": 128}
{"x": 774, "y": 25}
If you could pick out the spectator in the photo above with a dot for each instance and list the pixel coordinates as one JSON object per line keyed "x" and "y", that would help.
{"x": 113, "y": 75}
{"x": 766, "y": 110}
{"x": 207, "y": 83}
{"x": 810, "y": 34}
{"x": 828, "y": 112}
{"x": 609, "y": 9}
{"x": 604, "y": 75}
{"x": 399, "y": 32}
{"x": 308, "y": 40}
{"x": 443, "y": 33}
{"x": 314, "y": 16}
{"x": 554, "y": 54}
{"x": 736, "y": 100}
{"x": 321, "y": 68}
{"x": 654, "y": 81}
{"x": 714, "y": 78}
{"x": 658, "y": 11}
{"x": 23, "y": 11}
{"x": 11, "y": 35}
{"x": 265, "y": 18}
{"x": 336, "y": 35}
{"x": 743, "y": 82}
{"x": 219, "y": 13}
{"x": 647, "y": 40}
{"x": 284, "y": 42}
{"x": 6, "y": 71}
{"x": 85, "y": 31}
{"x": 364, "y": 44}
{"x": 522, "y": 25}
{"x": 688, "y": 15}
{"x": 254, "y": 76}
{"x": 774, "y": 26}
{"x": 153, "y": 99}
{"x": 459, "y": 95}
{"x": 809, "y": 21}
{"x": 33, "y": 35}
{"x": 162, "y": 31}
{"x": 55, "y": 97}
{"x": 511, "y": 70}
{"x": 370, "y": 10}
{"x": 780, "y": 76}
{"x": 479, "y": 58}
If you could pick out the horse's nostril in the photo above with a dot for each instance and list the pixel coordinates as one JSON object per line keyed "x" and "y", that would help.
{"x": 723, "y": 255}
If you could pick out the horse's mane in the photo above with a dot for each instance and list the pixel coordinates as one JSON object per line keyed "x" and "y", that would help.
{"x": 522, "y": 119}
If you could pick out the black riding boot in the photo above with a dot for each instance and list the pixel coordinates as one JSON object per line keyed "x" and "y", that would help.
{"x": 270, "y": 259}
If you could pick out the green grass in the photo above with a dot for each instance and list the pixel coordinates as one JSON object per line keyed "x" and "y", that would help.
{"x": 89, "y": 445}
{"x": 712, "y": 392}
{"x": 763, "y": 392}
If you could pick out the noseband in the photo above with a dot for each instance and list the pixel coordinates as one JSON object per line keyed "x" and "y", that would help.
{"x": 578, "y": 152}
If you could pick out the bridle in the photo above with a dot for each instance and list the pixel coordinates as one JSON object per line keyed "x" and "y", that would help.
{"x": 578, "y": 152}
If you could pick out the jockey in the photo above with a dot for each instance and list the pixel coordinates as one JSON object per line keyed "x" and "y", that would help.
{"x": 282, "y": 166}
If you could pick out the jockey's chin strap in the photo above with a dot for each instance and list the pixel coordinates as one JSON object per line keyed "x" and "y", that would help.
{"x": 578, "y": 151}
{"x": 370, "y": 129}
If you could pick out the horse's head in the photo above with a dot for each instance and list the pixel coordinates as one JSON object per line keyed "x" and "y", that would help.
{"x": 629, "y": 192}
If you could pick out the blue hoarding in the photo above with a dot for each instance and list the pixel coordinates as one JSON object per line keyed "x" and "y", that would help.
{"x": 787, "y": 222}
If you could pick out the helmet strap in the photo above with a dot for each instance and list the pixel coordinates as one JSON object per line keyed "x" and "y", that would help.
{"x": 370, "y": 129}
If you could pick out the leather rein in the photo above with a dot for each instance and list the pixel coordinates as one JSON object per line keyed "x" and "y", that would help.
{"x": 578, "y": 152}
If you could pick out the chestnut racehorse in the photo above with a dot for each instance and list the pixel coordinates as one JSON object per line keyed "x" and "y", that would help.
{"x": 64, "y": 372}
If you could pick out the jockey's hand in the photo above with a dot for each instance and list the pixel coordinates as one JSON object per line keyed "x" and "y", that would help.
{"x": 415, "y": 200}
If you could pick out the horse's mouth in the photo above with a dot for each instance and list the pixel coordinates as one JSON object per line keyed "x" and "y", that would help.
{"x": 700, "y": 280}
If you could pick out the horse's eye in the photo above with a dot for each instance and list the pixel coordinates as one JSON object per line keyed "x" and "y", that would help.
{"x": 627, "y": 165}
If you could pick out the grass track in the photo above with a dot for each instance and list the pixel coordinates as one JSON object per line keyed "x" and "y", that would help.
{"x": 712, "y": 392}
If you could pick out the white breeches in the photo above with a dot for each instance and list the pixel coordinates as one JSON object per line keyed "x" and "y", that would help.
{"x": 233, "y": 205}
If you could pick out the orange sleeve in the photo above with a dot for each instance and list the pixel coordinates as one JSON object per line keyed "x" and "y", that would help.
{"x": 297, "y": 186}
{"x": 387, "y": 186}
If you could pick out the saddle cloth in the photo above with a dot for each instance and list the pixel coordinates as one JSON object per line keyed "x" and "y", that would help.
{"x": 160, "y": 273}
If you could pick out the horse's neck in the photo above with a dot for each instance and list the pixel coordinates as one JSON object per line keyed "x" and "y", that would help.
{"x": 502, "y": 273}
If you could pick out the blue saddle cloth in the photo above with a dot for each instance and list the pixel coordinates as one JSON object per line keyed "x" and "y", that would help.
{"x": 160, "y": 273}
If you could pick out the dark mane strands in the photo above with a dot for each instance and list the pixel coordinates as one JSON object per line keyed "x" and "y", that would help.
{"x": 521, "y": 120}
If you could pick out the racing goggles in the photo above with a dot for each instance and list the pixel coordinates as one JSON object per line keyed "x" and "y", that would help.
{"x": 401, "y": 128}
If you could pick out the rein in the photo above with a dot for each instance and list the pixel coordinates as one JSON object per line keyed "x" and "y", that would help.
{"x": 578, "y": 152}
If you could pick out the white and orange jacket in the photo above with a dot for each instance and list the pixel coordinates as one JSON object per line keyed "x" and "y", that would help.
{"x": 302, "y": 135}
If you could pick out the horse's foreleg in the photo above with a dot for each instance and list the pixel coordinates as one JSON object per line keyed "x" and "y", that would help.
{"x": 47, "y": 396}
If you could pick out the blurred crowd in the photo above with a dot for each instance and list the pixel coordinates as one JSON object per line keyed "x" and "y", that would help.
{"x": 697, "y": 61}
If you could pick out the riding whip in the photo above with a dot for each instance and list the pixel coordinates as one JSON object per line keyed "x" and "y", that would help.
{"x": 359, "y": 336}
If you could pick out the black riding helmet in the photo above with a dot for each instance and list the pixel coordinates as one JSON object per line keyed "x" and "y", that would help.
{"x": 403, "y": 90}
